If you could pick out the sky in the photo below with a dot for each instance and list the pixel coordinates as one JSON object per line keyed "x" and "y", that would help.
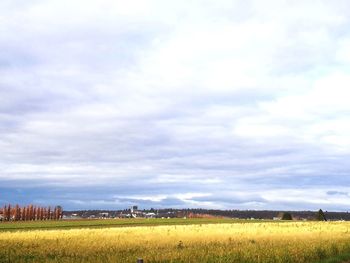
{"x": 240, "y": 104}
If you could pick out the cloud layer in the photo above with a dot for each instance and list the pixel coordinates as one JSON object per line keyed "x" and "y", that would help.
{"x": 218, "y": 104}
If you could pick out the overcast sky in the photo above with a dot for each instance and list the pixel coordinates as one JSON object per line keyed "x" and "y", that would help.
{"x": 215, "y": 104}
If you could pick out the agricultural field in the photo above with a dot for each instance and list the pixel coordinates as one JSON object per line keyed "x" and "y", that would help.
{"x": 235, "y": 241}
{"x": 100, "y": 223}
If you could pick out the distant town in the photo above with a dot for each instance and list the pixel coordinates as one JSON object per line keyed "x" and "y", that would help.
{"x": 135, "y": 212}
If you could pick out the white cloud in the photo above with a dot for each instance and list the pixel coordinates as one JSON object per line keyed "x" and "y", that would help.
{"x": 182, "y": 95}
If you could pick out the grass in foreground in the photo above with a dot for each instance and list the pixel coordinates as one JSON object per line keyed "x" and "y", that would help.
{"x": 237, "y": 242}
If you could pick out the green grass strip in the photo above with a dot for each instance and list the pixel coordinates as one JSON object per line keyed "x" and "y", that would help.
{"x": 342, "y": 258}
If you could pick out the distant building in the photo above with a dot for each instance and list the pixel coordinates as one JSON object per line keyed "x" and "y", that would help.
{"x": 150, "y": 215}
{"x": 104, "y": 215}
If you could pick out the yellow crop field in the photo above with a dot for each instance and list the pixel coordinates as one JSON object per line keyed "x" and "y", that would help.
{"x": 235, "y": 242}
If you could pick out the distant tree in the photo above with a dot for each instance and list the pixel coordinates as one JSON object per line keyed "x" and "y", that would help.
{"x": 5, "y": 213}
{"x": 60, "y": 212}
{"x": 30, "y": 212}
{"x": 321, "y": 216}
{"x": 54, "y": 215}
{"x": 17, "y": 212}
{"x": 24, "y": 214}
{"x": 8, "y": 213}
{"x": 286, "y": 216}
{"x": 35, "y": 217}
{"x": 41, "y": 213}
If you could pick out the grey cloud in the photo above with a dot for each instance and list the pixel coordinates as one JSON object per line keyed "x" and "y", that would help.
{"x": 232, "y": 200}
{"x": 117, "y": 105}
{"x": 337, "y": 193}
{"x": 166, "y": 202}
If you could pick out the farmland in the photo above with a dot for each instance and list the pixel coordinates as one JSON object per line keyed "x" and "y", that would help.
{"x": 193, "y": 240}
{"x": 101, "y": 223}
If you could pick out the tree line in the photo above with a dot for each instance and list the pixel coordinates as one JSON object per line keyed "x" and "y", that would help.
{"x": 30, "y": 213}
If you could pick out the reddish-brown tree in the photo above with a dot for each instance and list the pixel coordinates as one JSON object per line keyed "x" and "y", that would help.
{"x": 24, "y": 216}
{"x": 16, "y": 213}
{"x": 8, "y": 213}
{"x": 30, "y": 212}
